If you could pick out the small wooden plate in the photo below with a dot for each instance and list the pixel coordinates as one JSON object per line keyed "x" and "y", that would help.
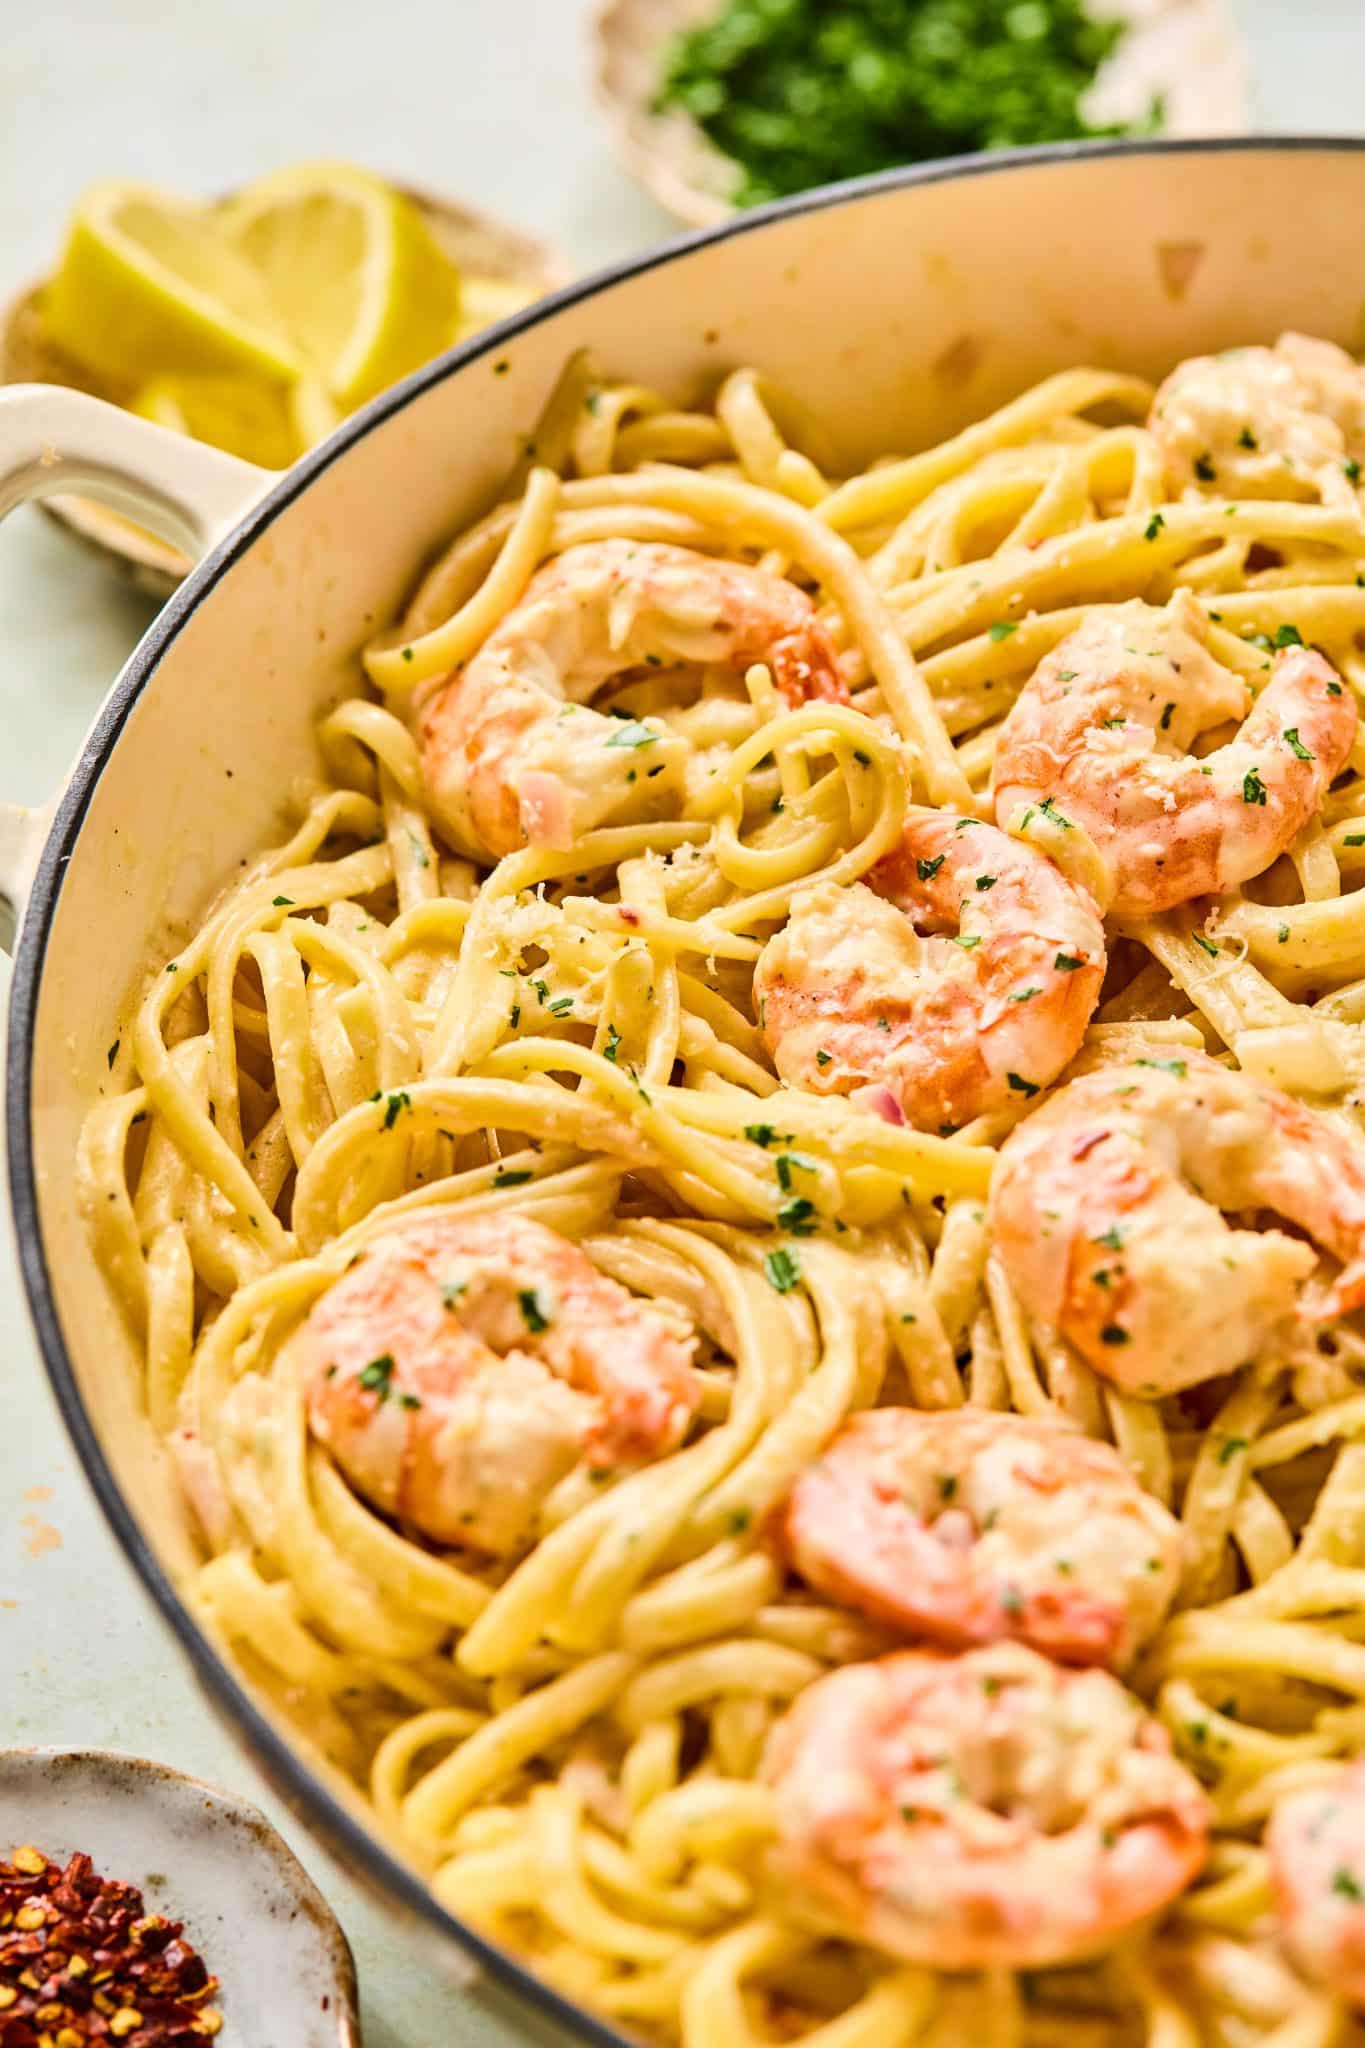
{"x": 1188, "y": 50}
{"x": 476, "y": 241}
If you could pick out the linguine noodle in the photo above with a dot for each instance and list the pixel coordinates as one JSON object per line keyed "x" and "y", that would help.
{"x": 367, "y": 1028}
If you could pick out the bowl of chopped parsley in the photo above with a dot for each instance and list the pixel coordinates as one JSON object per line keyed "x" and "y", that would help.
{"x": 721, "y": 104}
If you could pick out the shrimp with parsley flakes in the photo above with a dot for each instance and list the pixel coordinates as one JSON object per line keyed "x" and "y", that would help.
{"x": 1101, "y": 738}
{"x": 463, "y": 1365}
{"x": 959, "y": 978}
{"x": 962, "y": 1526}
{"x": 513, "y": 752}
{"x": 1107, "y": 1207}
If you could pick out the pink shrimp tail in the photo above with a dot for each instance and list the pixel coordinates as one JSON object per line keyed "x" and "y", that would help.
{"x": 804, "y": 666}
{"x": 1346, "y": 1292}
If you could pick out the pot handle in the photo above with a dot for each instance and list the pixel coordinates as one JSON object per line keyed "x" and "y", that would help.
{"x": 53, "y": 440}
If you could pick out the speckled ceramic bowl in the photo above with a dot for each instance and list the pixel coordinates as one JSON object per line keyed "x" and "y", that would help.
{"x": 204, "y": 1857}
{"x": 1185, "y": 50}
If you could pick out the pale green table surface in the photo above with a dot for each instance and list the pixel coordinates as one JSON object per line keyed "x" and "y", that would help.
{"x": 484, "y": 98}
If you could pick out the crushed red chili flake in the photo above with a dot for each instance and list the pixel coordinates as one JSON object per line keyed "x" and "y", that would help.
{"x": 82, "y": 1960}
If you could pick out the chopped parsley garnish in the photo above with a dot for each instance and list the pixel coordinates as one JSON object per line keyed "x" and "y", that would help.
{"x": 533, "y": 1311}
{"x": 377, "y": 1376}
{"x": 1352, "y": 839}
{"x": 502, "y": 1179}
{"x": 1253, "y": 789}
{"x": 1022, "y": 995}
{"x": 1166, "y": 718}
{"x": 1176, "y": 1067}
{"x": 1205, "y": 945}
{"x": 986, "y": 881}
{"x": 798, "y": 1216}
{"x": 1246, "y": 439}
{"x": 612, "y": 1045}
{"x": 1155, "y": 525}
{"x": 783, "y": 1270}
{"x": 1002, "y": 629}
{"x": 787, "y": 1163}
{"x": 799, "y": 92}
{"x": 1296, "y": 745}
{"x": 399, "y": 1100}
{"x": 633, "y": 734}
{"x": 927, "y": 869}
{"x": 760, "y": 1134}
{"x": 514, "y": 1016}
{"x": 1020, "y": 1085}
{"x": 1229, "y": 1448}
{"x": 561, "y": 1006}
{"x": 452, "y": 1291}
{"x": 1352, "y": 469}
{"x": 1113, "y": 1334}
{"x": 1112, "y": 1238}
{"x": 1049, "y": 810}
{"x": 112, "y": 1053}
{"x": 822, "y": 1058}
{"x": 1287, "y": 636}
{"x": 1347, "y": 1886}
{"x": 542, "y": 989}
{"x": 968, "y": 943}
{"x": 740, "y": 1520}
{"x": 282, "y": 903}
{"x": 1204, "y": 469}
{"x": 1067, "y": 963}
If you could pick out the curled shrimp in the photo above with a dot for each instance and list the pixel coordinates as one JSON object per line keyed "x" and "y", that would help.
{"x": 965, "y": 1527}
{"x": 511, "y": 750}
{"x": 1281, "y": 422}
{"x": 463, "y": 1365}
{"x": 980, "y": 1811}
{"x": 1105, "y": 1205}
{"x": 934, "y": 1030}
{"x": 1316, "y": 1847}
{"x": 1101, "y": 736}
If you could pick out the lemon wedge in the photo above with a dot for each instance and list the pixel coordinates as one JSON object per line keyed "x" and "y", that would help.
{"x": 146, "y": 279}
{"x": 484, "y": 300}
{"x": 351, "y": 269}
{"x": 249, "y": 418}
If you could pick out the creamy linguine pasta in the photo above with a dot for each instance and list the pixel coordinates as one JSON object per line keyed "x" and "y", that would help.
{"x": 569, "y": 1725}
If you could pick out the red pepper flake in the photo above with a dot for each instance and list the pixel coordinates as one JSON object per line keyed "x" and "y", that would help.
{"x": 81, "y": 1960}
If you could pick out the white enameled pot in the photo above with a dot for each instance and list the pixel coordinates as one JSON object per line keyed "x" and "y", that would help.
{"x": 897, "y": 309}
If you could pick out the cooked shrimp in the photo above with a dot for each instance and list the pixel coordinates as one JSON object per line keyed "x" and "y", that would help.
{"x": 991, "y": 1810}
{"x": 964, "y": 1526}
{"x": 1316, "y": 1844}
{"x": 935, "y": 1029}
{"x": 511, "y": 752}
{"x": 1282, "y": 422}
{"x": 1101, "y": 736}
{"x": 464, "y": 1364}
{"x": 1106, "y": 1203}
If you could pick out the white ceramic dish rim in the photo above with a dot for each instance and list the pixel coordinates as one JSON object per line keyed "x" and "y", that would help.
{"x": 35, "y": 848}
